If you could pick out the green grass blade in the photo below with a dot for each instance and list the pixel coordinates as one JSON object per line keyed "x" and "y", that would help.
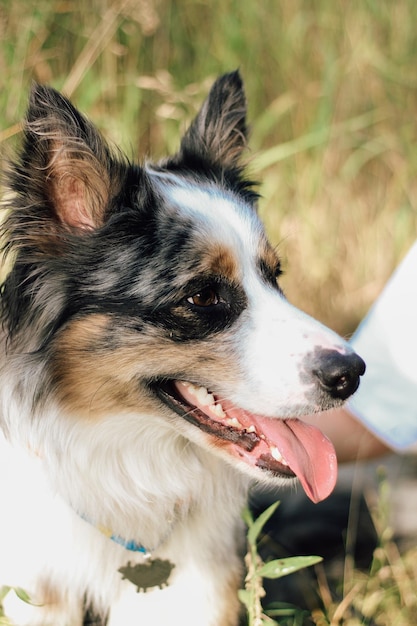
{"x": 256, "y": 526}
{"x": 284, "y": 567}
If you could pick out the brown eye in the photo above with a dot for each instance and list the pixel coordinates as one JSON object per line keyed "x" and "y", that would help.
{"x": 205, "y": 297}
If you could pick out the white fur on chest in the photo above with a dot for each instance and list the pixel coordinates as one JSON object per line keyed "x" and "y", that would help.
{"x": 57, "y": 557}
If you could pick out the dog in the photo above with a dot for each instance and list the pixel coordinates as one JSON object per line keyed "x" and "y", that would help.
{"x": 152, "y": 370}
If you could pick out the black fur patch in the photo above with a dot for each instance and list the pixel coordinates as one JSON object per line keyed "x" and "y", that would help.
{"x": 90, "y": 233}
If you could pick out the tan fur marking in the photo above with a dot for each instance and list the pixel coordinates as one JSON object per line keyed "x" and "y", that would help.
{"x": 95, "y": 378}
{"x": 222, "y": 262}
{"x": 269, "y": 256}
{"x": 49, "y": 593}
{"x": 232, "y": 607}
{"x": 92, "y": 378}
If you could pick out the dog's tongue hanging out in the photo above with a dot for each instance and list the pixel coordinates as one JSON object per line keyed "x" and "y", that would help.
{"x": 308, "y": 453}
{"x": 317, "y": 467}
{"x": 282, "y": 446}
{"x": 293, "y": 445}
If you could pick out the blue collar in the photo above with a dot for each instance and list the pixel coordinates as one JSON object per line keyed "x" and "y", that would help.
{"x": 129, "y": 544}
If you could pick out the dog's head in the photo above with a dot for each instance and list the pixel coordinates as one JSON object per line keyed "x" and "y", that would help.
{"x": 152, "y": 290}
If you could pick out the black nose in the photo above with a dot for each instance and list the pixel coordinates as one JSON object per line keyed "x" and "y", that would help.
{"x": 338, "y": 373}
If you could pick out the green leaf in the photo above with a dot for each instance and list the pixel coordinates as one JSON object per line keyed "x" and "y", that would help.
{"x": 4, "y": 590}
{"x": 283, "y": 567}
{"x": 244, "y": 597}
{"x": 256, "y": 526}
{"x": 22, "y": 595}
{"x": 247, "y": 517}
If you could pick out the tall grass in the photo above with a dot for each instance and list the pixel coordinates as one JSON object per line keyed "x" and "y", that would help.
{"x": 332, "y": 91}
{"x": 384, "y": 596}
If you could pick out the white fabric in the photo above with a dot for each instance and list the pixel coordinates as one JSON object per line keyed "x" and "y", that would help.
{"x": 386, "y": 401}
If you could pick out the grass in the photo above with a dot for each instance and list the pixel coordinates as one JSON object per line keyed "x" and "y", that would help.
{"x": 332, "y": 93}
{"x": 253, "y": 593}
{"x": 384, "y": 596}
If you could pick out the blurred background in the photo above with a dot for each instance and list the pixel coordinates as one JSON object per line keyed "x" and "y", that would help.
{"x": 332, "y": 91}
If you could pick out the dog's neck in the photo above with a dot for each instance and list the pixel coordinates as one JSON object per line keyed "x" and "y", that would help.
{"x": 121, "y": 485}
{"x": 131, "y": 544}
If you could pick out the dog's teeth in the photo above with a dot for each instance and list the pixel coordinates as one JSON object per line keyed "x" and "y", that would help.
{"x": 251, "y": 429}
{"x": 277, "y": 455}
{"x": 234, "y": 422}
{"x": 200, "y": 393}
{"x": 204, "y": 397}
{"x": 217, "y": 409}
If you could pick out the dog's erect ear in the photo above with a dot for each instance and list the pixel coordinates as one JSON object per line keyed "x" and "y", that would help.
{"x": 219, "y": 132}
{"x": 66, "y": 161}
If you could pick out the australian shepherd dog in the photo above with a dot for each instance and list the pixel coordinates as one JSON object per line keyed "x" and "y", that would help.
{"x": 151, "y": 369}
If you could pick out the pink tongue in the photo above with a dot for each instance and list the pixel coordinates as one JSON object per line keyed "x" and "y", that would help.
{"x": 308, "y": 452}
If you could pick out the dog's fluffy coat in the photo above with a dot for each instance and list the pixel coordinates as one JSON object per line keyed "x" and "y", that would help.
{"x": 135, "y": 294}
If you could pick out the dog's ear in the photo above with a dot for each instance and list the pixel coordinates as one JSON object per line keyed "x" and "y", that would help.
{"x": 219, "y": 132}
{"x": 65, "y": 161}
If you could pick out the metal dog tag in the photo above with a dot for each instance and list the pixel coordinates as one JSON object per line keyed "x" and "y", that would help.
{"x": 151, "y": 573}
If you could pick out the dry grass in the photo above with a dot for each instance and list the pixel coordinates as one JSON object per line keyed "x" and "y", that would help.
{"x": 384, "y": 596}
{"x": 332, "y": 91}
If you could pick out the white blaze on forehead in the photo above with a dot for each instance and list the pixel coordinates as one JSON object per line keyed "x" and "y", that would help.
{"x": 223, "y": 217}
